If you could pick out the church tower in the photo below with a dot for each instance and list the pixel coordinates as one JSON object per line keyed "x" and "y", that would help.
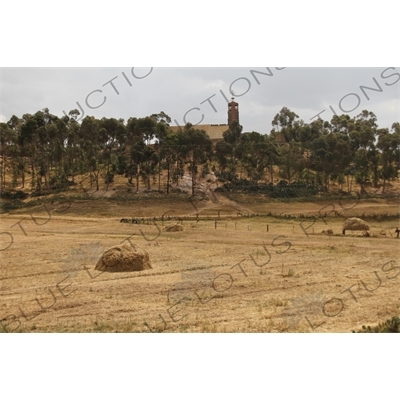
{"x": 233, "y": 112}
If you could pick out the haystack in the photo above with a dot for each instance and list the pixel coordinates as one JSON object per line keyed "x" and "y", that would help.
{"x": 124, "y": 258}
{"x": 174, "y": 228}
{"x": 354, "y": 224}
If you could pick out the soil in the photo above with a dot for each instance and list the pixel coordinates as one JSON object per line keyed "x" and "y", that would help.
{"x": 243, "y": 263}
{"x": 226, "y": 272}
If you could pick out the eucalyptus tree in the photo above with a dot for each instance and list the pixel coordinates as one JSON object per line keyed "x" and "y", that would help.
{"x": 227, "y": 151}
{"x": 30, "y": 140}
{"x": 74, "y": 156}
{"x": 284, "y": 121}
{"x": 343, "y": 127}
{"x": 134, "y": 146}
{"x": 19, "y": 153}
{"x": 113, "y": 137}
{"x": 286, "y": 133}
{"x": 142, "y": 155}
{"x": 256, "y": 153}
{"x": 389, "y": 145}
{"x": 147, "y": 130}
{"x": 196, "y": 148}
{"x": 42, "y": 139}
{"x": 221, "y": 155}
{"x": 8, "y": 150}
{"x": 136, "y": 157}
{"x": 92, "y": 146}
{"x": 149, "y": 164}
{"x": 362, "y": 138}
{"x": 162, "y": 121}
{"x": 169, "y": 153}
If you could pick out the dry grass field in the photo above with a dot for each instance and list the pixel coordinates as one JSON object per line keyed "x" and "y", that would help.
{"x": 224, "y": 273}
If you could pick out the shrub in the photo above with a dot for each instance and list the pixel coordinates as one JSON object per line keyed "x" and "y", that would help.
{"x": 109, "y": 177}
{"x": 390, "y": 326}
{"x": 282, "y": 190}
{"x": 60, "y": 181}
{"x": 14, "y": 195}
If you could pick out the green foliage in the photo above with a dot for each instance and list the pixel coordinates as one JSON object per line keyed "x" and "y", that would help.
{"x": 52, "y": 151}
{"x": 390, "y": 326}
{"x": 14, "y": 195}
{"x": 16, "y": 204}
{"x": 205, "y": 171}
{"x": 109, "y": 177}
{"x": 282, "y": 190}
{"x": 59, "y": 181}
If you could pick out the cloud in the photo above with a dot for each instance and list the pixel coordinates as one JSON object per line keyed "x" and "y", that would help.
{"x": 306, "y": 91}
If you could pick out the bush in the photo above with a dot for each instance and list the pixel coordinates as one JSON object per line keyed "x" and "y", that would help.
{"x": 40, "y": 193}
{"x": 14, "y": 195}
{"x": 390, "y": 326}
{"x": 16, "y": 204}
{"x": 282, "y": 190}
{"x": 10, "y": 205}
{"x": 58, "y": 182}
{"x": 109, "y": 177}
{"x": 178, "y": 190}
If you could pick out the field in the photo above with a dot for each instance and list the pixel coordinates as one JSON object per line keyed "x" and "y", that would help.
{"x": 242, "y": 264}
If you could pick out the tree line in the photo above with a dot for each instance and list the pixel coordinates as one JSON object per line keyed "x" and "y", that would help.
{"x": 44, "y": 152}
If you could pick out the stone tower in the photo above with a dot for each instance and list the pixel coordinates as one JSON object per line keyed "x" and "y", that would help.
{"x": 233, "y": 112}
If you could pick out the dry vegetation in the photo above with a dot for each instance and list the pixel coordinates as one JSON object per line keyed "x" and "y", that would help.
{"x": 232, "y": 273}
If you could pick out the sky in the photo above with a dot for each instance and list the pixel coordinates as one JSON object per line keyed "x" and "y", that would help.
{"x": 199, "y": 95}
{"x": 292, "y": 33}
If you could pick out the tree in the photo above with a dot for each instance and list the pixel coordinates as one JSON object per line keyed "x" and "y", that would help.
{"x": 286, "y": 133}
{"x": 226, "y": 151}
{"x": 136, "y": 158}
{"x": 92, "y": 147}
{"x": 73, "y": 146}
{"x": 8, "y": 141}
{"x": 362, "y": 139}
{"x": 388, "y": 144}
{"x": 29, "y": 140}
{"x": 169, "y": 152}
{"x": 161, "y": 130}
{"x": 291, "y": 160}
{"x": 149, "y": 163}
{"x": 196, "y": 149}
{"x": 256, "y": 153}
{"x": 113, "y": 137}
{"x": 284, "y": 120}
{"x": 271, "y": 155}
{"x": 330, "y": 154}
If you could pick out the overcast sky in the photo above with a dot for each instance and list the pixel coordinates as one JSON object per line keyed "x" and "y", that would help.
{"x": 144, "y": 91}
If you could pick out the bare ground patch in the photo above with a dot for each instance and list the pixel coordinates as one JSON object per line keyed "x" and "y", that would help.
{"x": 264, "y": 274}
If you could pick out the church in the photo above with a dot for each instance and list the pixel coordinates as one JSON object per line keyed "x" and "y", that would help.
{"x": 215, "y": 131}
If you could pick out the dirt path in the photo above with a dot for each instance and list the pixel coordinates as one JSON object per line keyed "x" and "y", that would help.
{"x": 222, "y": 203}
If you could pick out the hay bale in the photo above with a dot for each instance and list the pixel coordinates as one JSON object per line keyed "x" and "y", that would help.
{"x": 124, "y": 258}
{"x": 355, "y": 224}
{"x": 174, "y": 228}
